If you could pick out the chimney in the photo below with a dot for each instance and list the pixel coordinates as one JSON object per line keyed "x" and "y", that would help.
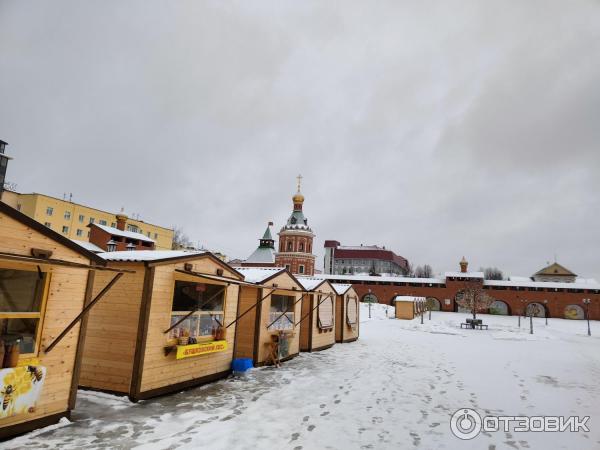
{"x": 463, "y": 265}
{"x": 121, "y": 220}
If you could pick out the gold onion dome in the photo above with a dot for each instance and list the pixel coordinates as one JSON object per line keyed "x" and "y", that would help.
{"x": 298, "y": 198}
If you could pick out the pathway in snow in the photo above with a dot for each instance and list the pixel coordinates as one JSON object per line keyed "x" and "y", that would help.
{"x": 394, "y": 388}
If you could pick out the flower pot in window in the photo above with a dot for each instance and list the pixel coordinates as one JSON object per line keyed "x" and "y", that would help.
{"x": 183, "y": 340}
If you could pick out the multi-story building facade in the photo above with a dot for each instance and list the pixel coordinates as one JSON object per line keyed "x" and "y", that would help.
{"x": 363, "y": 259}
{"x": 72, "y": 219}
{"x": 296, "y": 241}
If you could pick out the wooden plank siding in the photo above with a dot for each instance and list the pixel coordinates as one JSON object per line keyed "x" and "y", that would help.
{"x": 66, "y": 292}
{"x": 107, "y": 359}
{"x": 160, "y": 370}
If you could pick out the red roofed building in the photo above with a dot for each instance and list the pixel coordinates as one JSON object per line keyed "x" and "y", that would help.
{"x": 363, "y": 259}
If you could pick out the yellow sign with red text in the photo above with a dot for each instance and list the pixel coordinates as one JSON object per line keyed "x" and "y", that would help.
{"x": 186, "y": 351}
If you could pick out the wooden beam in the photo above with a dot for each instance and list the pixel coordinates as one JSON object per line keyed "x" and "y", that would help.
{"x": 251, "y": 308}
{"x": 85, "y": 310}
{"x": 322, "y": 300}
{"x": 287, "y": 311}
{"x": 57, "y": 262}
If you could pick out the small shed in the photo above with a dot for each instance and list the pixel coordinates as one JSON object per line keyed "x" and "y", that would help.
{"x": 347, "y": 313}
{"x": 317, "y": 327}
{"x": 165, "y": 327}
{"x": 45, "y": 285}
{"x": 269, "y": 312}
{"x": 408, "y": 307}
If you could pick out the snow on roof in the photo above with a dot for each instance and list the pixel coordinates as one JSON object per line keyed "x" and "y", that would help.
{"x": 126, "y": 234}
{"x": 147, "y": 255}
{"x": 341, "y": 288}
{"x": 258, "y": 274}
{"x": 310, "y": 283}
{"x": 408, "y": 298}
{"x": 388, "y": 279}
{"x": 520, "y": 279}
{"x": 586, "y": 280}
{"x": 542, "y": 284}
{"x": 89, "y": 246}
{"x": 262, "y": 255}
{"x": 463, "y": 274}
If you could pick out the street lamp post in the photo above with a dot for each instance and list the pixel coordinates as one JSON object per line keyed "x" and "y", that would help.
{"x": 546, "y": 311}
{"x": 370, "y": 301}
{"x": 531, "y": 321}
{"x": 586, "y": 302}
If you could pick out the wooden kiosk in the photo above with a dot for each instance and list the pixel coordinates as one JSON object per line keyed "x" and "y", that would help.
{"x": 269, "y": 312}
{"x": 408, "y": 307}
{"x": 163, "y": 328}
{"x": 317, "y": 327}
{"x": 347, "y": 313}
{"x": 45, "y": 280}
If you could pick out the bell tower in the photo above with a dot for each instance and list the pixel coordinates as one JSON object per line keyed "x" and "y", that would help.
{"x": 296, "y": 240}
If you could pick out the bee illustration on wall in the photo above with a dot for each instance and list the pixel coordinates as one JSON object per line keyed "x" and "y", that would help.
{"x": 35, "y": 373}
{"x": 7, "y": 396}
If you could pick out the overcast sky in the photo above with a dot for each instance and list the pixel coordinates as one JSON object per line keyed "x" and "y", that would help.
{"x": 437, "y": 129}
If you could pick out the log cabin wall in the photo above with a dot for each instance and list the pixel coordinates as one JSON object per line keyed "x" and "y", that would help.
{"x": 111, "y": 333}
{"x": 160, "y": 371}
{"x": 65, "y": 296}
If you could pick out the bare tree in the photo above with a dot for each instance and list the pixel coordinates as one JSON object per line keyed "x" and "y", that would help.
{"x": 180, "y": 239}
{"x": 474, "y": 298}
{"x": 409, "y": 271}
{"x": 492, "y": 273}
{"x": 424, "y": 271}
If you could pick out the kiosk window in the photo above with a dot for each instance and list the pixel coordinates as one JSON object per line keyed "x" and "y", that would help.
{"x": 279, "y": 305}
{"x": 21, "y": 299}
{"x": 208, "y": 302}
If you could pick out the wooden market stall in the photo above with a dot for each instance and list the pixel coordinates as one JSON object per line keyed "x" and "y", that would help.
{"x": 268, "y": 315}
{"x": 317, "y": 327}
{"x": 347, "y": 313}
{"x": 45, "y": 283}
{"x": 408, "y": 307}
{"x": 164, "y": 328}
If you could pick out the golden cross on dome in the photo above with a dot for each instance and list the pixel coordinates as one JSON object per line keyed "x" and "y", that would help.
{"x": 299, "y": 178}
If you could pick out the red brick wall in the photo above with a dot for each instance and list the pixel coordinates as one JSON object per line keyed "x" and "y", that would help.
{"x": 516, "y": 300}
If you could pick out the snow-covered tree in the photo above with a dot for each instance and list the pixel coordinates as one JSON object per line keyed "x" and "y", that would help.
{"x": 474, "y": 298}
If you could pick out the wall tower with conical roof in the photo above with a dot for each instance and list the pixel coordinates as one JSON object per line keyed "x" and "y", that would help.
{"x": 296, "y": 240}
{"x": 264, "y": 255}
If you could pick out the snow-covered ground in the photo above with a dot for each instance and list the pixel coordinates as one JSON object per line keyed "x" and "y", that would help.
{"x": 394, "y": 388}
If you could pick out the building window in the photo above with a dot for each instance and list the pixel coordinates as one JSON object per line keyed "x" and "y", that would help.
{"x": 88, "y": 234}
{"x": 300, "y": 268}
{"x": 18, "y": 207}
{"x": 113, "y": 224}
{"x": 92, "y": 220}
{"x": 301, "y": 249}
{"x": 65, "y": 229}
{"x": 67, "y": 215}
{"x": 48, "y": 224}
{"x": 132, "y": 228}
{"x": 148, "y": 234}
{"x": 289, "y": 246}
{"x": 102, "y": 222}
{"x": 155, "y": 235}
{"x": 287, "y": 267}
{"x": 79, "y": 232}
{"x": 22, "y": 317}
{"x": 281, "y": 314}
{"x": 208, "y": 302}
{"x": 81, "y": 218}
{"x": 49, "y": 210}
